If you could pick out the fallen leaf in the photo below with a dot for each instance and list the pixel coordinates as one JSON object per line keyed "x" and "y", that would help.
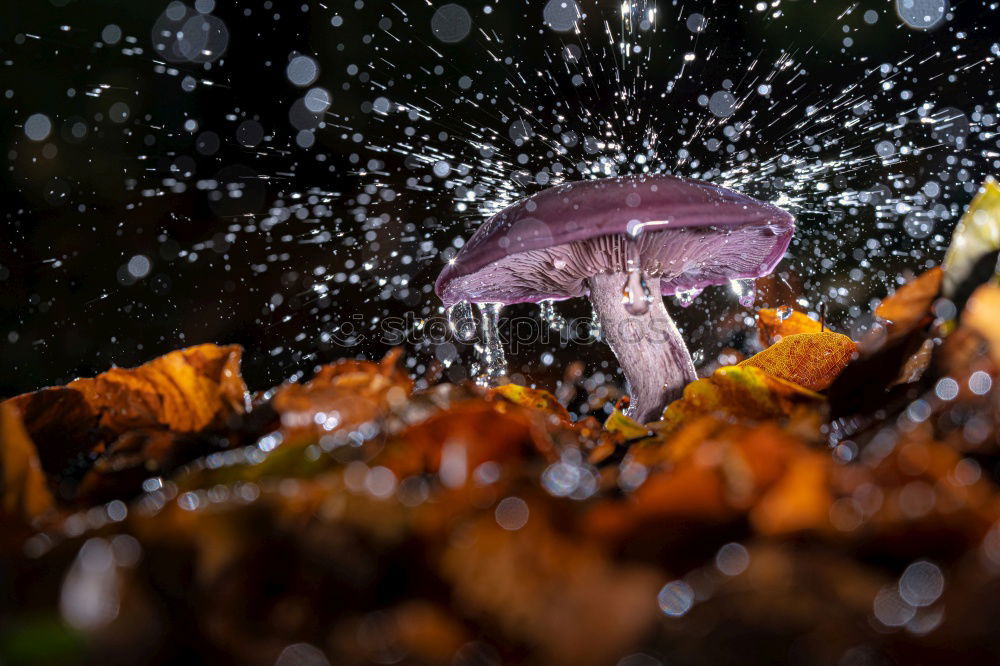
{"x": 25, "y": 491}
{"x": 779, "y": 323}
{"x": 454, "y": 442}
{"x": 341, "y": 396}
{"x": 811, "y": 360}
{"x": 799, "y": 501}
{"x": 534, "y": 398}
{"x": 563, "y": 597}
{"x": 627, "y": 427}
{"x": 982, "y": 315}
{"x": 971, "y": 257}
{"x": 910, "y": 305}
{"x": 186, "y": 391}
{"x": 709, "y": 471}
{"x": 740, "y": 390}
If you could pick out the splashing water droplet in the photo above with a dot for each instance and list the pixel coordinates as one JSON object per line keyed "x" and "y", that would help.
{"x": 550, "y": 317}
{"x": 636, "y": 294}
{"x": 745, "y": 290}
{"x": 784, "y": 312}
{"x": 685, "y": 297}
{"x": 462, "y": 321}
{"x": 493, "y": 361}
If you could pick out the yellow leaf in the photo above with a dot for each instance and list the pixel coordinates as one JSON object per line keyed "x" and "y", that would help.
{"x": 625, "y": 426}
{"x": 740, "y": 390}
{"x": 811, "y": 360}
{"x": 534, "y": 398}
{"x": 977, "y": 234}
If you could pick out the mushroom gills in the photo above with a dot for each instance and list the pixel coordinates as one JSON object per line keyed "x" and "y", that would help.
{"x": 649, "y": 348}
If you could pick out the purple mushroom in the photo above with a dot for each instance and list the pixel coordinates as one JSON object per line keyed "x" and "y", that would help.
{"x": 624, "y": 243}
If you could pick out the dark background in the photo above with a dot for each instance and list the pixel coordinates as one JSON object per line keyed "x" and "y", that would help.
{"x": 76, "y": 209}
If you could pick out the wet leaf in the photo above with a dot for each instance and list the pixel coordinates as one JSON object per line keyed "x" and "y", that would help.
{"x": 811, "y": 360}
{"x": 709, "y": 471}
{"x": 562, "y": 596}
{"x": 455, "y": 442}
{"x": 534, "y": 398}
{"x": 744, "y": 391}
{"x": 342, "y": 395}
{"x": 799, "y": 501}
{"x": 617, "y": 422}
{"x": 25, "y": 491}
{"x": 186, "y": 391}
{"x": 910, "y": 305}
{"x": 982, "y": 315}
{"x": 774, "y": 324}
{"x": 972, "y": 256}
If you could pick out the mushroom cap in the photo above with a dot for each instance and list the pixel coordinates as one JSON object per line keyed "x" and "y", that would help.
{"x": 689, "y": 233}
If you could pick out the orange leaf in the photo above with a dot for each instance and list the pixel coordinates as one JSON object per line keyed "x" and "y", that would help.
{"x": 910, "y": 305}
{"x": 799, "y": 501}
{"x": 455, "y": 441}
{"x": 186, "y": 390}
{"x": 342, "y": 394}
{"x": 563, "y": 596}
{"x": 741, "y": 390}
{"x": 24, "y": 492}
{"x": 812, "y": 360}
{"x": 982, "y": 314}
{"x": 782, "y": 322}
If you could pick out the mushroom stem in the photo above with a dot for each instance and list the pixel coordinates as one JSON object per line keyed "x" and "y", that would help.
{"x": 648, "y": 346}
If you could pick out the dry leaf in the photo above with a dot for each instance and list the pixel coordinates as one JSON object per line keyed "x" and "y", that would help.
{"x": 910, "y": 305}
{"x": 186, "y": 391}
{"x": 982, "y": 314}
{"x": 811, "y": 360}
{"x": 773, "y": 324}
{"x": 744, "y": 391}
{"x": 25, "y": 491}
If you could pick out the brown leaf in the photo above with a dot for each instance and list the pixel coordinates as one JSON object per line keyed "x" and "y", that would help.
{"x": 186, "y": 391}
{"x": 345, "y": 394}
{"x": 774, "y": 324}
{"x": 454, "y": 442}
{"x": 710, "y": 471}
{"x": 799, "y": 501}
{"x": 910, "y": 305}
{"x": 982, "y": 315}
{"x": 24, "y": 492}
{"x": 741, "y": 390}
{"x": 562, "y": 597}
{"x": 812, "y": 360}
